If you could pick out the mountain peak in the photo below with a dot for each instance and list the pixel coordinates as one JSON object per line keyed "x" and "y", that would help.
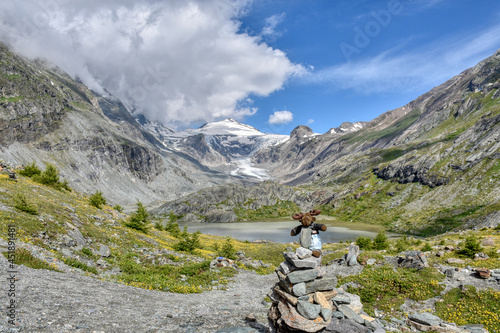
{"x": 228, "y": 126}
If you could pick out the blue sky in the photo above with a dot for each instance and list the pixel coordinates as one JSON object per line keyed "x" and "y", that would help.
{"x": 414, "y": 46}
{"x": 273, "y": 64}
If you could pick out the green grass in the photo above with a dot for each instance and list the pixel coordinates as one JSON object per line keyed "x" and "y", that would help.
{"x": 387, "y": 132}
{"x": 384, "y": 289}
{"x": 24, "y": 257}
{"x": 280, "y": 209}
{"x": 189, "y": 278}
{"x": 77, "y": 264}
{"x": 449, "y": 220}
{"x": 471, "y": 306}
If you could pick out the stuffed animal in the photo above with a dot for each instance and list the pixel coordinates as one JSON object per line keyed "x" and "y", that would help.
{"x": 309, "y": 231}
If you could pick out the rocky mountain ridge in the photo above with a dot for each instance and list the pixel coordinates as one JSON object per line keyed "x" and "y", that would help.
{"x": 47, "y": 117}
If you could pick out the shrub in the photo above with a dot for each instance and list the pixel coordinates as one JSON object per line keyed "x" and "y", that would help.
{"x": 80, "y": 265}
{"x": 97, "y": 199}
{"x": 471, "y": 246}
{"x": 24, "y": 257}
{"x": 364, "y": 243}
{"x": 30, "y": 170}
{"x": 189, "y": 243}
{"x": 427, "y": 247}
{"x": 139, "y": 219}
{"x": 173, "y": 228}
{"x": 402, "y": 244}
{"x": 50, "y": 176}
{"x": 21, "y": 203}
{"x": 118, "y": 208}
{"x": 227, "y": 249}
{"x": 159, "y": 226}
{"x": 381, "y": 241}
{"x": 87, "y": 252}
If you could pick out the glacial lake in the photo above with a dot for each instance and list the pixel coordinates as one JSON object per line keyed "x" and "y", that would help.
{"x": 279, "y": 230}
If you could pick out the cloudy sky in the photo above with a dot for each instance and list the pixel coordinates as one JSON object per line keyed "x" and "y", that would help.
{"x": 274, "y": 64}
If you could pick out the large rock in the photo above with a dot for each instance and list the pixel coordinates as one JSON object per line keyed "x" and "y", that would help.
{"x": 293, "y": 319}
{"x": 323, "y": 284}
{"x": 350, "y": 314}
{"x": 302, "y": 276}
{"x": 413, "y": 259}
{"x": 75, "y": 233}
{"x": 104, "y": 251}
{"x": 311, "y": 262}
{"x": 425, "y": 318}
{"x": 352, "y": 255}
{"x": 308, "y": 310}
{"x": 345, "y": 325}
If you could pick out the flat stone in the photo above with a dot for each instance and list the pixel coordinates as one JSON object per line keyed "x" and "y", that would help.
{"x": 326, "y": 314}
{"x": 342, "y": 299}
{"x": 290, "y": 256}
{"x": 299, "y": 289}
{"x": 355, "y": 304}
{"x": 308, "y": 310}
{"x": 77, "y": 236}
{"x": 311, "y": 262}
{"x": 337, "y": 314}
{"x": 302, "y": 276}
{"x": 345, "y": 325}
{"x": 294, "y": 320}
{"x": 287, "y": 267}
{"x": 104, "y": 251}
{"x": 350, "y": 314}
{"x": 371, "y": 261}
{"x": 450, "y": 272}
{"x": 323, "y": 284}
{"x": 320, "y": 298}
{"x": 303, "y": 253}
{"x": 483, "y": 273}
{"x": 283, "y": 282}
{"x": 455, "y": 261}
{"x": 425, "y": 318}
{"x": 352, "y": 255}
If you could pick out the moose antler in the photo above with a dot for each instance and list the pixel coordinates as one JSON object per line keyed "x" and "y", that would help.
{"x": 315, "y": 212}
{"x": 297, "y": 216}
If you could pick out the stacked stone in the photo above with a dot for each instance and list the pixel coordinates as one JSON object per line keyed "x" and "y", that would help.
{"x": 306, "y": 300}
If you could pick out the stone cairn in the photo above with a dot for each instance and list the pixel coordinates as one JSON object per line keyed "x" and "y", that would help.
{"x": 305, "y": 299}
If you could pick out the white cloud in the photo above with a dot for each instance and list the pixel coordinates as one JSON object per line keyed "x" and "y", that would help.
{"x": 310, "y": 121}
{"x": 413, "y": 70}
{"x": 178, "y": 62}
{"x": 272, "y": 22}
{"x": 280, "y": 117}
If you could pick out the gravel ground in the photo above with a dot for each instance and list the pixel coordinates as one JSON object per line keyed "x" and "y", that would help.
{"x": 48, "y": 301}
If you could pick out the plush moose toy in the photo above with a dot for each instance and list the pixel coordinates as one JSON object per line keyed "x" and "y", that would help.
{"x": 308, "y": 230}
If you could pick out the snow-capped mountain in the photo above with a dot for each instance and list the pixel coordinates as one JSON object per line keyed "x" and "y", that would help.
{"x": 347, "y": 127}
{"x": 226, "y": 145}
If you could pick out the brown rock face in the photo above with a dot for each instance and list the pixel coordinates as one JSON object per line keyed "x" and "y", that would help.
{"x": 293, "y": 319}
{"x": 483, "y": 273}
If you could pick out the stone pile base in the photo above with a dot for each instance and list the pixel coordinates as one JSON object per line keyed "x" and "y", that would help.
{"x": 305, "y": 299}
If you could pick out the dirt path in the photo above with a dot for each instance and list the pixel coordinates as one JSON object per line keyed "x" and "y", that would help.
{"x": 48, "y": 301}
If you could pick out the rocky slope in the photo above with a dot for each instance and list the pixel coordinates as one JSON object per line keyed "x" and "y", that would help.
{"x": 47, "y": 117}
